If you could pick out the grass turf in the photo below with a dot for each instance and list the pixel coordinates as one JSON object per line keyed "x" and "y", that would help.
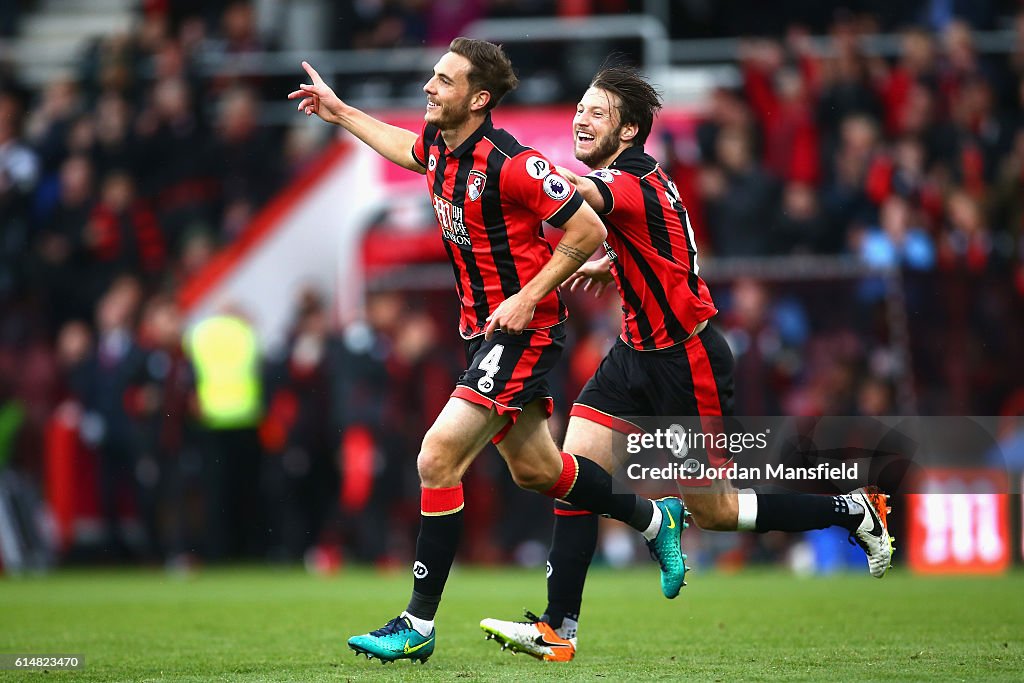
{"x": 283, "y": 625}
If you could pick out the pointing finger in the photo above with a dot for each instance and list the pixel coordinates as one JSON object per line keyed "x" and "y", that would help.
{"x": 312, "y": 73}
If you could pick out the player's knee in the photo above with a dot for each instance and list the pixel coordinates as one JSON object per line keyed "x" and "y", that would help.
{"x": 531, "y": 477}
{"x": 434, "y": 463}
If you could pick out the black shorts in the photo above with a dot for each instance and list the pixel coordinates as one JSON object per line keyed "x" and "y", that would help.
{"x": 511, "y": 371}
{"x": 692, "y": 379}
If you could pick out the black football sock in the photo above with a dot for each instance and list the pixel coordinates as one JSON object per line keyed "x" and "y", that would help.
{"x": 440, "y": 529}
{"x": 804, "y": 512}
{"x": 573, "y": 543}
{"x": 586, "y": 485}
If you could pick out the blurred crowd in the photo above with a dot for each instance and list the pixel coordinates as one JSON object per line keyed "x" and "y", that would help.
{"x": 118, "y": 184}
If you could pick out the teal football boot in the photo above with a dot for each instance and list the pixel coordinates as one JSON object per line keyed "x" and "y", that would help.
{"x": 665, "y": 547}
{"x": 395, "y": 640}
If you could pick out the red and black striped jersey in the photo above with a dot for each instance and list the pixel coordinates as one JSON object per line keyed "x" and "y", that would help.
{"x": 653, "y": 252}
{"x": 491, "y": 195}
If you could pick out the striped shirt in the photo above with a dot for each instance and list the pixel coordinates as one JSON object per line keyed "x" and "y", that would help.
{"x": 491, "y": 195}
{"x": 654, "y": 256}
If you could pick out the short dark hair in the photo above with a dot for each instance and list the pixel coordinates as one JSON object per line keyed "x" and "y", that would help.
{"x": 490, "y": 68}
{"x": 639, "y": 102}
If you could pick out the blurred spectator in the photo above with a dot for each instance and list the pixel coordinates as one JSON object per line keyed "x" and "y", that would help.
{"x": 389, "y": 23}
{"x": 1007, "y": 207}
{"x": 725, "y": 110}
{"x": 900, "y": 173}
{"x": 800, "y": 227}
{"x": 238, "y": 29}
{"x": 62, "y": 260}
{"x": 844, "y": 196}
{"x": 163, "y": 402}
{"x": 184, "y": 188}
{"x": 19, "y": 172}
{"x": 51, "y": 120}
{"x": 226, "y": 357}
{"x": 916, "y": 67}
{"x": 846, "y": 88}
{"x": 960, "y": 64}
{"x": 782, "y": 98}
{"x": 967, "y": 244}
{"x": 237, "y": 37}
{"x": 740, "y": 197}
{"x": 377, "y": 444}
{"x": 197, "y": 252}
{"x": 74, "y": 347}
{"x": 122, "y": 234}
{"x": 302, "y": 144}
{"x": 246, "y": 160}
{"x": 116, "y": 147}
{"x": 874, "y": 398}
{"x": 298, "y": 433}
{"x": 102, "y": 385}
{"x": 896, "y": 241}
{"x": 758, "y": 348}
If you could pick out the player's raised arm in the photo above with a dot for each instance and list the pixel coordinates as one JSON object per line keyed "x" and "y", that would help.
{"x": 391, "y": 142}
{"x": 584, "y": 233}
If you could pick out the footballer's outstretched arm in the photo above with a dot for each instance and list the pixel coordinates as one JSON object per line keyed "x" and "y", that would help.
{"x": 584, "y": 233}
{"x": 391, "y": 142}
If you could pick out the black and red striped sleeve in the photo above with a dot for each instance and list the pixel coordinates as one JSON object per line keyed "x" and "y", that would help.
{"x": 602, "y": 179}
{"x": 419, "y": 148}
{"x": 625, "y": 197}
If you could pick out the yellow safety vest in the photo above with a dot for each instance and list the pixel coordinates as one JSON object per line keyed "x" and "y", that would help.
{"x": 227, "y": 364}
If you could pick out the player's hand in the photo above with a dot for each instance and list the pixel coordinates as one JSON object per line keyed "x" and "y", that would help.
{"x": 317, "y": 98}
{"x": 568, "y": 175}
{"x": 511, "y": 316}
{"x": 595, "y": 276}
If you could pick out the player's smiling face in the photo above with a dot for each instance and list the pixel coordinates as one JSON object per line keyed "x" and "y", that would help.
{"x": 597, "y": 133}
{"x": 448, "y": 92}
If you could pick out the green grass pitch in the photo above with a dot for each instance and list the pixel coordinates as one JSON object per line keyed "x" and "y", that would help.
{"x": 283, "y": 625}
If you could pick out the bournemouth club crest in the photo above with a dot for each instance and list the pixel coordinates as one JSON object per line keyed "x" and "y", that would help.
{"x": 475, "y": 185}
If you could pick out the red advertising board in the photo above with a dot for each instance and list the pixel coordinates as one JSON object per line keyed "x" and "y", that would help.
{"x": 961, "y": 525}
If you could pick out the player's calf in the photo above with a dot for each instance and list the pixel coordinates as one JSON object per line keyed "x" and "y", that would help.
{"x": 713, "y": 511}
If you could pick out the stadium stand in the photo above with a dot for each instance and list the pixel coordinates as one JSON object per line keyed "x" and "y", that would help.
{"x": 875, "y": 158}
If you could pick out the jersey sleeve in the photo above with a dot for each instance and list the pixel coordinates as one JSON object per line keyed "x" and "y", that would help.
{"x": 622, "y": 194}
{"x": 530, "y": 180}
{"x": 419, "y": 148}
{"x": 600, "y": 178}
